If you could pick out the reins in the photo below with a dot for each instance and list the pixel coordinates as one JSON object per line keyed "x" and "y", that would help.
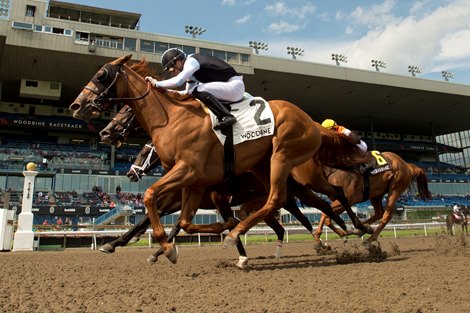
{"x": 102, "y": 96}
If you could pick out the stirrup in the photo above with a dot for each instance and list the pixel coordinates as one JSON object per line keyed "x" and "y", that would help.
{"x": 225, "y": 122}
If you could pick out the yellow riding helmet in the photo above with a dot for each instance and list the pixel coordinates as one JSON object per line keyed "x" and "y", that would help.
{"x": 328, "y": 123}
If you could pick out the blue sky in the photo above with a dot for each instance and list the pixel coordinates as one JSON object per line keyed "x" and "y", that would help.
{"x": 431, "y": 34}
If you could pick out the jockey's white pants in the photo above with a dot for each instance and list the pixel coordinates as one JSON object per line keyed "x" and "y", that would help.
{"x": 233, "y": 90}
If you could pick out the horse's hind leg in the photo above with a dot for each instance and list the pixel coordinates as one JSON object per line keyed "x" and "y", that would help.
{"x": 137, "y": 230}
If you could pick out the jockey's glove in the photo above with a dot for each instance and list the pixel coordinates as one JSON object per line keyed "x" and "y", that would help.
{"x": 152, "y": 80}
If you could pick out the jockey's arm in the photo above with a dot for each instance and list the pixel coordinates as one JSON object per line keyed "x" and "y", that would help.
{"x": 191, "y": 65}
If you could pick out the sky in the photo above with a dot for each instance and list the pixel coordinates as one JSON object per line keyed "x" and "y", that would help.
{"x": 433, "y": 35}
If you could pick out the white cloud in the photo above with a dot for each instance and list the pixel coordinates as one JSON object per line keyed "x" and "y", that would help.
{"x": 418, "y": 5}
{"x": 243, "y": 20}
{"x": 436, "y": 41}
{"x": 276, "y": 9}
{"x": 281, "y": 9}
{"x": 283, "y": 27}
{"x": 228, "y": 2}
{"x": 374, "y": 16}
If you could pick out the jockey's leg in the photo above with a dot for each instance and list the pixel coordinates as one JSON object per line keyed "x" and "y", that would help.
{"x": 223, "y": 114}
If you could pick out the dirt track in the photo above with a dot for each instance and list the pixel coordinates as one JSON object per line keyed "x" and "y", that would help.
{"x": 418, "y": 275}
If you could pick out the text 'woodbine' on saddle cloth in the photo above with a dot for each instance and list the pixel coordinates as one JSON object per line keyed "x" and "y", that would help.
{"x": 255, "y": 119}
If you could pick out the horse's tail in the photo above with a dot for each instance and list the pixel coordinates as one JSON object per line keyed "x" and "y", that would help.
{"x": 421, "y": 181}
{"x": 338, "y": 151}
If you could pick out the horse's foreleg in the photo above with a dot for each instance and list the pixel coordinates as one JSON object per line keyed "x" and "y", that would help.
{"x": 272, "y": 222}
{"x": 174, "y": 231}
{"x": 307, "y": 196}
{"x": 387, "y": 216}
{"x": 190, "y": 202}
{"x": 226, "y": 212}
{"x": 277, "y": 196}
{"x": 135, "y": 231}
{"x": 378, "y": 210}
{"x": 158, "y": 230}
{"x": 341, "y": 197}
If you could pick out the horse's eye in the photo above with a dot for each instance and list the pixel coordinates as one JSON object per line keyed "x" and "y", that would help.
{"x": 102, "y": 75}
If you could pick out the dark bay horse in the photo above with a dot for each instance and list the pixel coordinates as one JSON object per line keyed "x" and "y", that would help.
{"x": 193, "y": 155}
{"x": 452, "y": 219}
{"x": 390, "y": 183}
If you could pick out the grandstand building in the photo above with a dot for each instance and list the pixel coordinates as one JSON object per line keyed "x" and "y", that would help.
{"x": 50, "y": 49}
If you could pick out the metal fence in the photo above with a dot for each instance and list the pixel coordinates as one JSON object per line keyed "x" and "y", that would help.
{"x": 421, "y": 228}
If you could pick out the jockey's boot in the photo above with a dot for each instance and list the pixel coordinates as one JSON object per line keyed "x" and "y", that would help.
{"x": 224, "y": 116}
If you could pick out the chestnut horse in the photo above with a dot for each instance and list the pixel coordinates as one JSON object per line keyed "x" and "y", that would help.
{"x": 243, "y": 188}
{"x": 192, "y": 154}
{"x": 392, "y": 183}
{"x": 451, "y": 219}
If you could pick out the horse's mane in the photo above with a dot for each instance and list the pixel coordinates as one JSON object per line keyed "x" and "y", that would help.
{"x": 143, "y": 69}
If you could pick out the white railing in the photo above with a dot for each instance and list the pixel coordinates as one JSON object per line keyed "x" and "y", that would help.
{"x": 94, "y": 234}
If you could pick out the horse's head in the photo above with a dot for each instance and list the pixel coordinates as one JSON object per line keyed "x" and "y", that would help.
{"x": 96, "y": 96}
{"x": 116, "y": 132}
{"x": 145, "y": 161}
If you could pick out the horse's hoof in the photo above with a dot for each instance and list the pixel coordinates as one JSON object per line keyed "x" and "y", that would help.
{"x": 230, "y": 242}
{"x": 277, "y": 254}
{"x": 368, "y": 229}
{"x": 172, "y": 254}
{"x": 242, "y": 262}
{"x": 152, "y": 259}
{"x": 366, "y": 243}
{"x": 107, "y": 248}
{"x": 318, "y": 246}
{"x": 134, "y": 240}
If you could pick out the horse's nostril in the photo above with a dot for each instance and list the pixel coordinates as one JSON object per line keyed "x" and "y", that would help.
{"x": 74, "y": 106}
{"x": 104, "y": 133}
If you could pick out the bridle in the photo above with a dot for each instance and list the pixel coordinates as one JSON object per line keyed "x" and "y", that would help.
{"x": 104, "y": 81}
{"x": 149, "y": 161}
{"x": 123, "y": 123}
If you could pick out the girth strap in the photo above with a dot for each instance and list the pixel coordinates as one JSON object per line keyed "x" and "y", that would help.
{"x": 229, "y": 153}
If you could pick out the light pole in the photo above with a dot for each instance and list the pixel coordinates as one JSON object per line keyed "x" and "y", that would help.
{"x": 295, "y": 51}
{"x": 256, "y": 45}
{"x": 194, "y": 30}
{"x": 378, "y": 64}
{"x": 413, "y": 70}
{"x": 339, "y": 58}
{"x": 447, "y": 75}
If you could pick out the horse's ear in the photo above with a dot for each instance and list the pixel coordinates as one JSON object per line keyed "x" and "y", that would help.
{"x": 122, "y": 60}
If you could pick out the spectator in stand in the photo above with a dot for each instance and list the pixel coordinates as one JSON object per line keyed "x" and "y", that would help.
{"x": 59, "y": 222}
{"x": 118, "y": 189}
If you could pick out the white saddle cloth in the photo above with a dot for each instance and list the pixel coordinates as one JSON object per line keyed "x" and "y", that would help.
{"x": 255, "y": 119}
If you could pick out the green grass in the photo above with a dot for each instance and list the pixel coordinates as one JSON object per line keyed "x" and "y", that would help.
{"x": 256, "y": 239}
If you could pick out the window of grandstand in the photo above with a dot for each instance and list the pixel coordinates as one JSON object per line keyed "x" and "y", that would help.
{"x": 22, "y": 25}
{"x": 130, "y": 44}
{"x": 244, "y": 59}
{"x": 147, "y": 46}
{"x": 53, "y": 30}
{"x": 108, "y": 42}
{"x": 30, "y": 10}
{"x": 82, "y": 37}
{"x": 160, "y": 47}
